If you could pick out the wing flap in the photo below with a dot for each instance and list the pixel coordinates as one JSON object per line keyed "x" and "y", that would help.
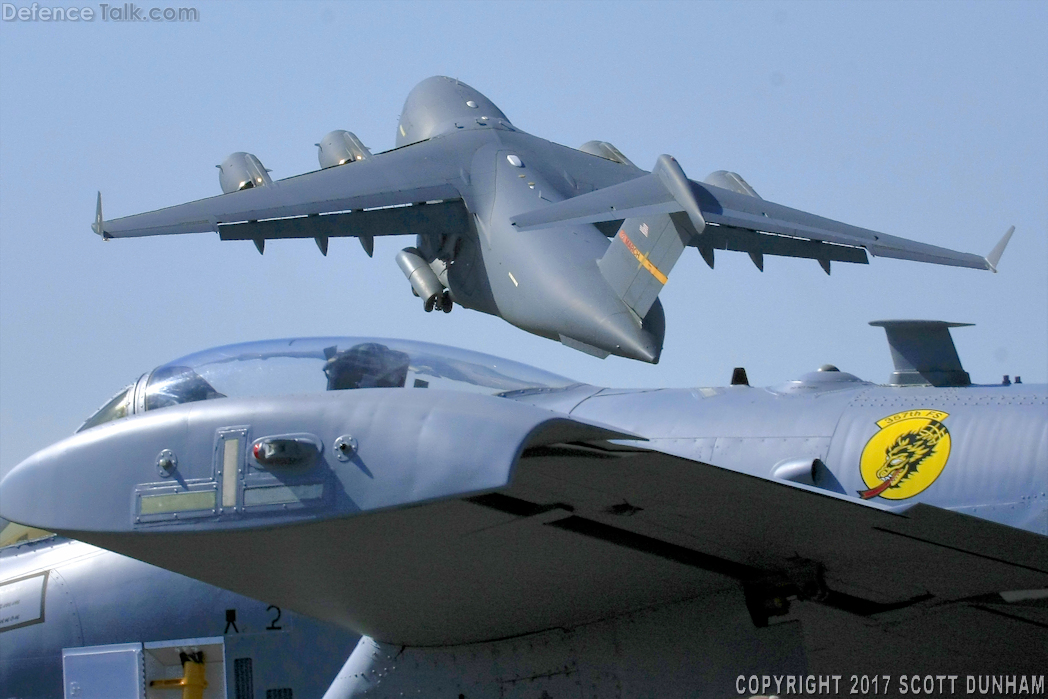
{"x": 741, "y": 240}
{"x": 423, "y": 219}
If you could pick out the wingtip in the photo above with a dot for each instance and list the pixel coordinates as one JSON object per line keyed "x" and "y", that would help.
{"x": 97, "y": 225}
{"x": 994, "y": 257}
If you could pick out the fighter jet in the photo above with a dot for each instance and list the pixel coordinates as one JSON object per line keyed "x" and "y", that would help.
{"x": 79, "y": 621}
{"x": 572, "y": 245}
{"x": 495, "y": 530}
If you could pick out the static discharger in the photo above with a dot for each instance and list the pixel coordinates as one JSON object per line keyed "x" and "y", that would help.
{"x": 192, "y": 682}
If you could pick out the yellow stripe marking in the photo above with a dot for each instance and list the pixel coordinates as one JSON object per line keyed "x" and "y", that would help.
{"x": 643, "y": 259}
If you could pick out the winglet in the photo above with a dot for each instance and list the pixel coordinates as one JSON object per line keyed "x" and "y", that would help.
{"x": 995, "y": 255}
{"x": 97, "y": 225}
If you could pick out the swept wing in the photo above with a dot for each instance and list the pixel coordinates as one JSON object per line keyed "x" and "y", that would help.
{"x": 721, "y": 218}
{"x": 362, "y": 199}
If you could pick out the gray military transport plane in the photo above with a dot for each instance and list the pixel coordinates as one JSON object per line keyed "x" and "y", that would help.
{"x": 494, "y": 530}
{"x": 573, "y": 245}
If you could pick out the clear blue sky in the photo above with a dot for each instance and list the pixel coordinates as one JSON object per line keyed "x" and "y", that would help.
{"x": 926, "y": 120}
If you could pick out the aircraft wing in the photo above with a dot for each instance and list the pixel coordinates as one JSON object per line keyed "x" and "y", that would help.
{"x": 470, "y": 518}
{"x": 358, "y": 199}
{"x": 732, "y": 220}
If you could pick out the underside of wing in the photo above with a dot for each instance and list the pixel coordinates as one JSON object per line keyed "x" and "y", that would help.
{"x": 590, "y": 530}
{"x": 302, "y": 206}
{"x": 736, "y": 219}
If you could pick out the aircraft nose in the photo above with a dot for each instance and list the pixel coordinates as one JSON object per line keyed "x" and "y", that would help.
{"x": 21, "y": 498}
{"x": 86, "y": 481}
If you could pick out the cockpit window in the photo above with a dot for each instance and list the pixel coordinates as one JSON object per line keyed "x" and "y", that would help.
{"x": 118, "y": 406}
{"x": 311, "y": 365}
{"x": 172, "y": 385}
{"x": 367, "y": 365}
{"x": 11, "y": 533}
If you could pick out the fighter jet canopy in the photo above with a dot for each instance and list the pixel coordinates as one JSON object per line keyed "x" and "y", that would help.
{"x": 439, "y": 105}
{"x": 309, "y": 365}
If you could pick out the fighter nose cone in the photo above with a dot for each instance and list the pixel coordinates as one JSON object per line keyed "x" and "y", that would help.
{"x": 20, "y": 495}
{"x": 626, "y": 339}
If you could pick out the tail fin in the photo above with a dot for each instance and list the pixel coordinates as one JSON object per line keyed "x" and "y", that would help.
{"x": 641, "y": 255}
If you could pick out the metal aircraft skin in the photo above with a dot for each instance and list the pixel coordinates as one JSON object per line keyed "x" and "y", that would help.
{"x": 60, "y": 595}
{"x": 573, "y": 245}
{"x": 494, "y": 530}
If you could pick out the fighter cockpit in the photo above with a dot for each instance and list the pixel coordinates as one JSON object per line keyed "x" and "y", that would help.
{"x": 308, "y": 365}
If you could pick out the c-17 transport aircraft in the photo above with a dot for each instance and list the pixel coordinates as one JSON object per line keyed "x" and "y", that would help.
{"x": 573, "y": 245}
{"x": 493, "y": 530}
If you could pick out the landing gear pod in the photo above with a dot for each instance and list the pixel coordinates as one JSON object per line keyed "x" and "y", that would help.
{"x": 341, "y": 147}
{"x": 242, "y": 171}
{"x": 423, "y": 280}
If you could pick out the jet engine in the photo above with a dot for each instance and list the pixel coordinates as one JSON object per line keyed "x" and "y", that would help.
{"x": 424, "y": 281}
{"x": 242, "y": 171}
{"x": 731, "y": 180}
{"x": 603, "y": 149}
{"x": 341, "y": 147}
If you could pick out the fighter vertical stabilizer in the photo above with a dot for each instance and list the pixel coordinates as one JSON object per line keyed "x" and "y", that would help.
{"x": 924, "y": 353}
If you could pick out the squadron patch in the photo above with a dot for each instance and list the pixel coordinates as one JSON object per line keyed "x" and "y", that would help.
{"x": 906, "y": 455}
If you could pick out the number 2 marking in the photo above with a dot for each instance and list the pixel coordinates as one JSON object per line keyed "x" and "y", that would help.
{"x": 273, "y": 624}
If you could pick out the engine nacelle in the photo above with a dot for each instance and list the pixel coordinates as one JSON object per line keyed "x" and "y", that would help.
{"x": 424, "y": 281}
{"x": 341, "y": 147}
{"x": 603, "y": 149}
{"x": 242, "y": 171}
{"x": 731, "y": 180}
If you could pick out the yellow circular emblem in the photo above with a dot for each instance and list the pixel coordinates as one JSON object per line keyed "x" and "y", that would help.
{"x": 906, "y": 455}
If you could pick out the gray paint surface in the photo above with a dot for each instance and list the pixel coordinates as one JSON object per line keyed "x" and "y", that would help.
{"x": 461, "y": 518}
{"x": 537, "y": 217}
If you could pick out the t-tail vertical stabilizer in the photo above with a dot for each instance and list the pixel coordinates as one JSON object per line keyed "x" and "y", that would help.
{"x": 639, "y": 260}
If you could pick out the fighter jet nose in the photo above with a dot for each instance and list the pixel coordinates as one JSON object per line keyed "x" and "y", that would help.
{"x": 19, "y": 496}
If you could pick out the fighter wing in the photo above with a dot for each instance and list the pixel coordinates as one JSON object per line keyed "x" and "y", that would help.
{"x": 461, "y": 518}
{"x": 317, "y": 204}
{"x": 721, "y": 218}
